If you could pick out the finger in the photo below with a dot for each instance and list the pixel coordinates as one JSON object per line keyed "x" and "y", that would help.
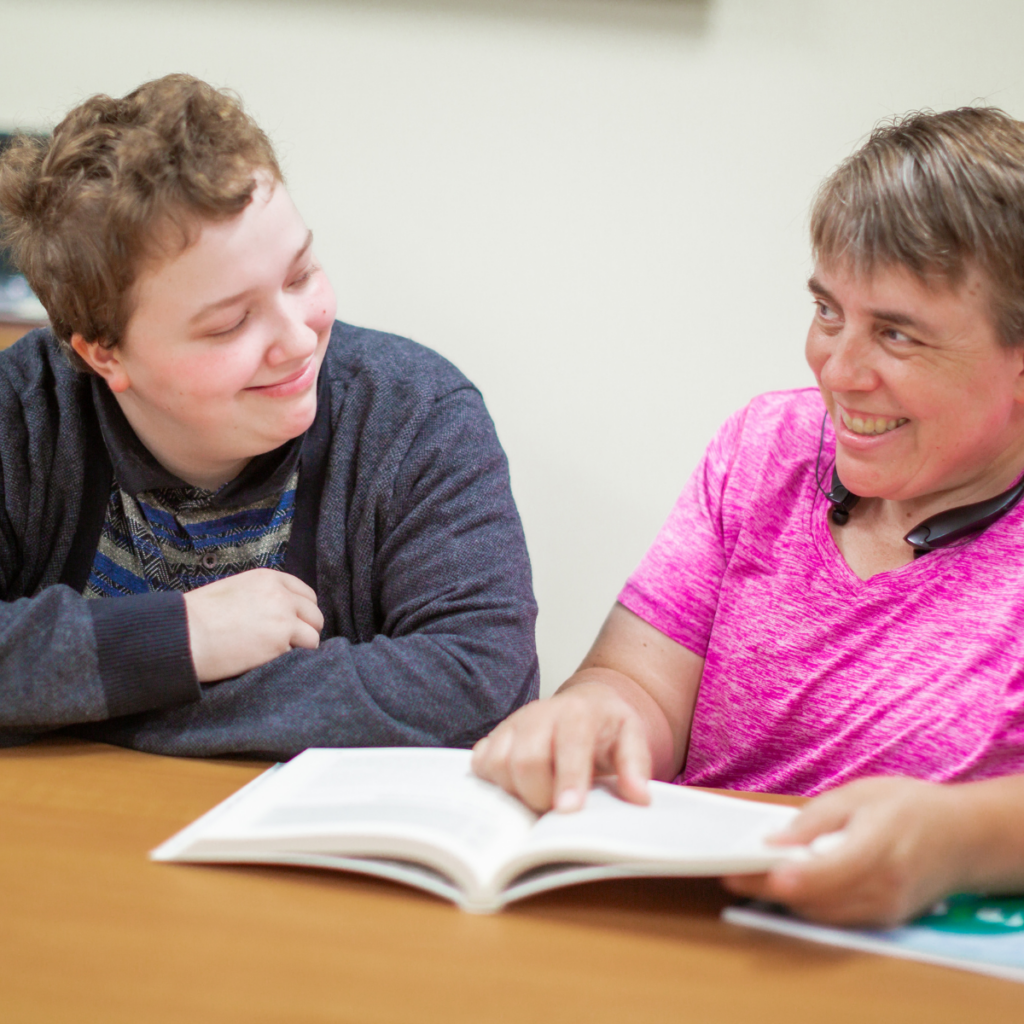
{"x": 827, "y": 813}
{"x": 632, "y": 759}
{"x": 864, "y": 904}
{"x": 295, "y": 585}
{"x": 850, "y": 911}
{"x": 835, "y": 906}
{"x": 305, "y": 636}
{"x": 753, "y": 886}
{"x": 483, "y": 751}
{"x": 492, "y": 764}
{"x": 828, "y": 878}
{"x": 479, "y": 753}
{"x": 310, "y": 614}
{"x": 573, "y": 762}
{"x": 531, "y": 763}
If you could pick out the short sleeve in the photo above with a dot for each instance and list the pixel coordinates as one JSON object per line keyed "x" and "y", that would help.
{"x": 676, "y": 585}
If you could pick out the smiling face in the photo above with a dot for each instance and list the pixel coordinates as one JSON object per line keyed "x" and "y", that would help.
{"x": 927, "y": 405}
{"x": 221, "y": 353}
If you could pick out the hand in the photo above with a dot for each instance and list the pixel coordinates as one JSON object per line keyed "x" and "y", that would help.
{"x": 547, "y": 752}
{"x": 906, "y": 844}
{"x": 247, "y": 620}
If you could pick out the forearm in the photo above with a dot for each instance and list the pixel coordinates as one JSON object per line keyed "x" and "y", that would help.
{"x": 65, "y": 660}
{"x": 419, "y": 690}
{"x": 49, "y": 672}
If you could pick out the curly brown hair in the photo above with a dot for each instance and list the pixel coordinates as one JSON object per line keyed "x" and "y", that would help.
{"x": 935, "y": 193}
{"x": 83, "y": 210}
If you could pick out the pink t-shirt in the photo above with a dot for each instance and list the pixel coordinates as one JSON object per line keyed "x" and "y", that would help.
{"x": 814, "y": 677}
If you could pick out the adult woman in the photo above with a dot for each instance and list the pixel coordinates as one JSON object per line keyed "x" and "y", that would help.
{"x": 778, "y": 637}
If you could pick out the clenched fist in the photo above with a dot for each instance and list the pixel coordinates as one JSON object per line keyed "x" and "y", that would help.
{"x": 247, "y": 620}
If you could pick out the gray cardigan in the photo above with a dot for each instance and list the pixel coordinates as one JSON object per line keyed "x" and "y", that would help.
{"x": 404, "y": 525}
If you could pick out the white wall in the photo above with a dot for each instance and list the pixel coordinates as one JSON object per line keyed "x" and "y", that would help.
{"x": 595, "y": 207}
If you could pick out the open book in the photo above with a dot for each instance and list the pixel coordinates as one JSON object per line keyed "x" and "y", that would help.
{"x": 419, "y": 816}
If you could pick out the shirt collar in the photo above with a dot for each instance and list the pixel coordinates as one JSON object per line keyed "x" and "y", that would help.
{"x": 137, "y": 471}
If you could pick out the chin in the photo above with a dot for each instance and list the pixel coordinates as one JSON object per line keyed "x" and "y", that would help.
{"x": 298, "y": 423}
{"x": 859, "y": 479}
{"x": 867, "y": 485}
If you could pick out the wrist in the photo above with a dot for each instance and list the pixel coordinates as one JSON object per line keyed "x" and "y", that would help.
{"x": 966, "y": 829}
{"x": 197, "y": 637}
{"x": 608, "y": 687}
{"x": 989, "y": 825}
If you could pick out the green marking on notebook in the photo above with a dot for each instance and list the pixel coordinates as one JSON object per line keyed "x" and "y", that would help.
{"x": 976, "y": 915}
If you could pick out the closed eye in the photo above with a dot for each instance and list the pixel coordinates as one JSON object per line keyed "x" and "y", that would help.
{"x": 229, "y": 330}
{"x": 304, "y": 276}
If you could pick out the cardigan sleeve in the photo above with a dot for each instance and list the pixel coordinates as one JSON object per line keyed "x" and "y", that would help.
{"x": 64, "y": 659}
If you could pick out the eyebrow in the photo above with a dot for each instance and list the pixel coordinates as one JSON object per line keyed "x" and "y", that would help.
{"x": 232, "y": 299}
{"x": 888, "y": 315}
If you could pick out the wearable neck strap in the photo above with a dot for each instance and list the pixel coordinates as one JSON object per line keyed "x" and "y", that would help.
{"x": 942, "y": 529}
{"x": 840, "y": 499}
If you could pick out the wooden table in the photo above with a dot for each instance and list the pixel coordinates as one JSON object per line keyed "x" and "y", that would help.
{"x": 90, "y": 930}
{"x": 12, "y": 330}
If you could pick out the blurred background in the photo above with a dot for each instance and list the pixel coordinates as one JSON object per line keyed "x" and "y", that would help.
{"x": 596, "y": 208}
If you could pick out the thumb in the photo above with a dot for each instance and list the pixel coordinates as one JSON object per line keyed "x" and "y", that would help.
{"x": 828, "y": 813}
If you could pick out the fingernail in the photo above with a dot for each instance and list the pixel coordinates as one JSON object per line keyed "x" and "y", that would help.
{"x": 639, "y": 785}
{"x": 568, "y": 800}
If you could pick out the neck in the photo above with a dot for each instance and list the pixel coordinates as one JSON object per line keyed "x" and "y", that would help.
{"x": 188, "y": 459}
{"x": 871, "y": 539}
{"x": 208, "y": 478}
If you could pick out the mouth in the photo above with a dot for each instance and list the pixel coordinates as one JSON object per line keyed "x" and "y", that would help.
{"x": 297, "y": 381}
{"x": 870, "y": 425}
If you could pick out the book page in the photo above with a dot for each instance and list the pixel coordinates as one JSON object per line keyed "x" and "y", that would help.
{"x": 682, "y": 830}
{"x": 413, "y": 803}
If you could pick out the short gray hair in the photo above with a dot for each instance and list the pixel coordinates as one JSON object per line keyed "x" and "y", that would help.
{"x": 937, "y": 194}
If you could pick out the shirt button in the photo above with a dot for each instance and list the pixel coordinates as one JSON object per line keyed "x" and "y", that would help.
{"x": 208, "y": 561}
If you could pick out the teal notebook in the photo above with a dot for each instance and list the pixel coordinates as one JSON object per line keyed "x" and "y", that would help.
{"x": 975, "y": 933}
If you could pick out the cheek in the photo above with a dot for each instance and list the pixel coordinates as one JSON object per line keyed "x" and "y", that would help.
{"x": 963, "y": 396}
{"x": 956, "y": 415}
{"x": 206, "y": 376}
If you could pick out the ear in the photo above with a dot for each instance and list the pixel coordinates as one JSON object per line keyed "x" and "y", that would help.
{"x": 105, "y": 362}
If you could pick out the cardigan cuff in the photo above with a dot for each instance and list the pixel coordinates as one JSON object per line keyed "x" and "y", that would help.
{"x": 142, "y": 644}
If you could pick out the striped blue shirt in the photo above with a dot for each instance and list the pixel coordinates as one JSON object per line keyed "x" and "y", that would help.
{"x": 180, "y": 539}
{"x": 161, "y": 534}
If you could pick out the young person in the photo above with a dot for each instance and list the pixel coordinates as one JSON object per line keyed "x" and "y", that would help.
{"x": 229, "y": 523}
{"x": 835, "y": 601}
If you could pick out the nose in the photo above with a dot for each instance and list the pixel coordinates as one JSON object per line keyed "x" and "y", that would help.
{"x": 847, "y": 365}
{"x": 293, "y": 339}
